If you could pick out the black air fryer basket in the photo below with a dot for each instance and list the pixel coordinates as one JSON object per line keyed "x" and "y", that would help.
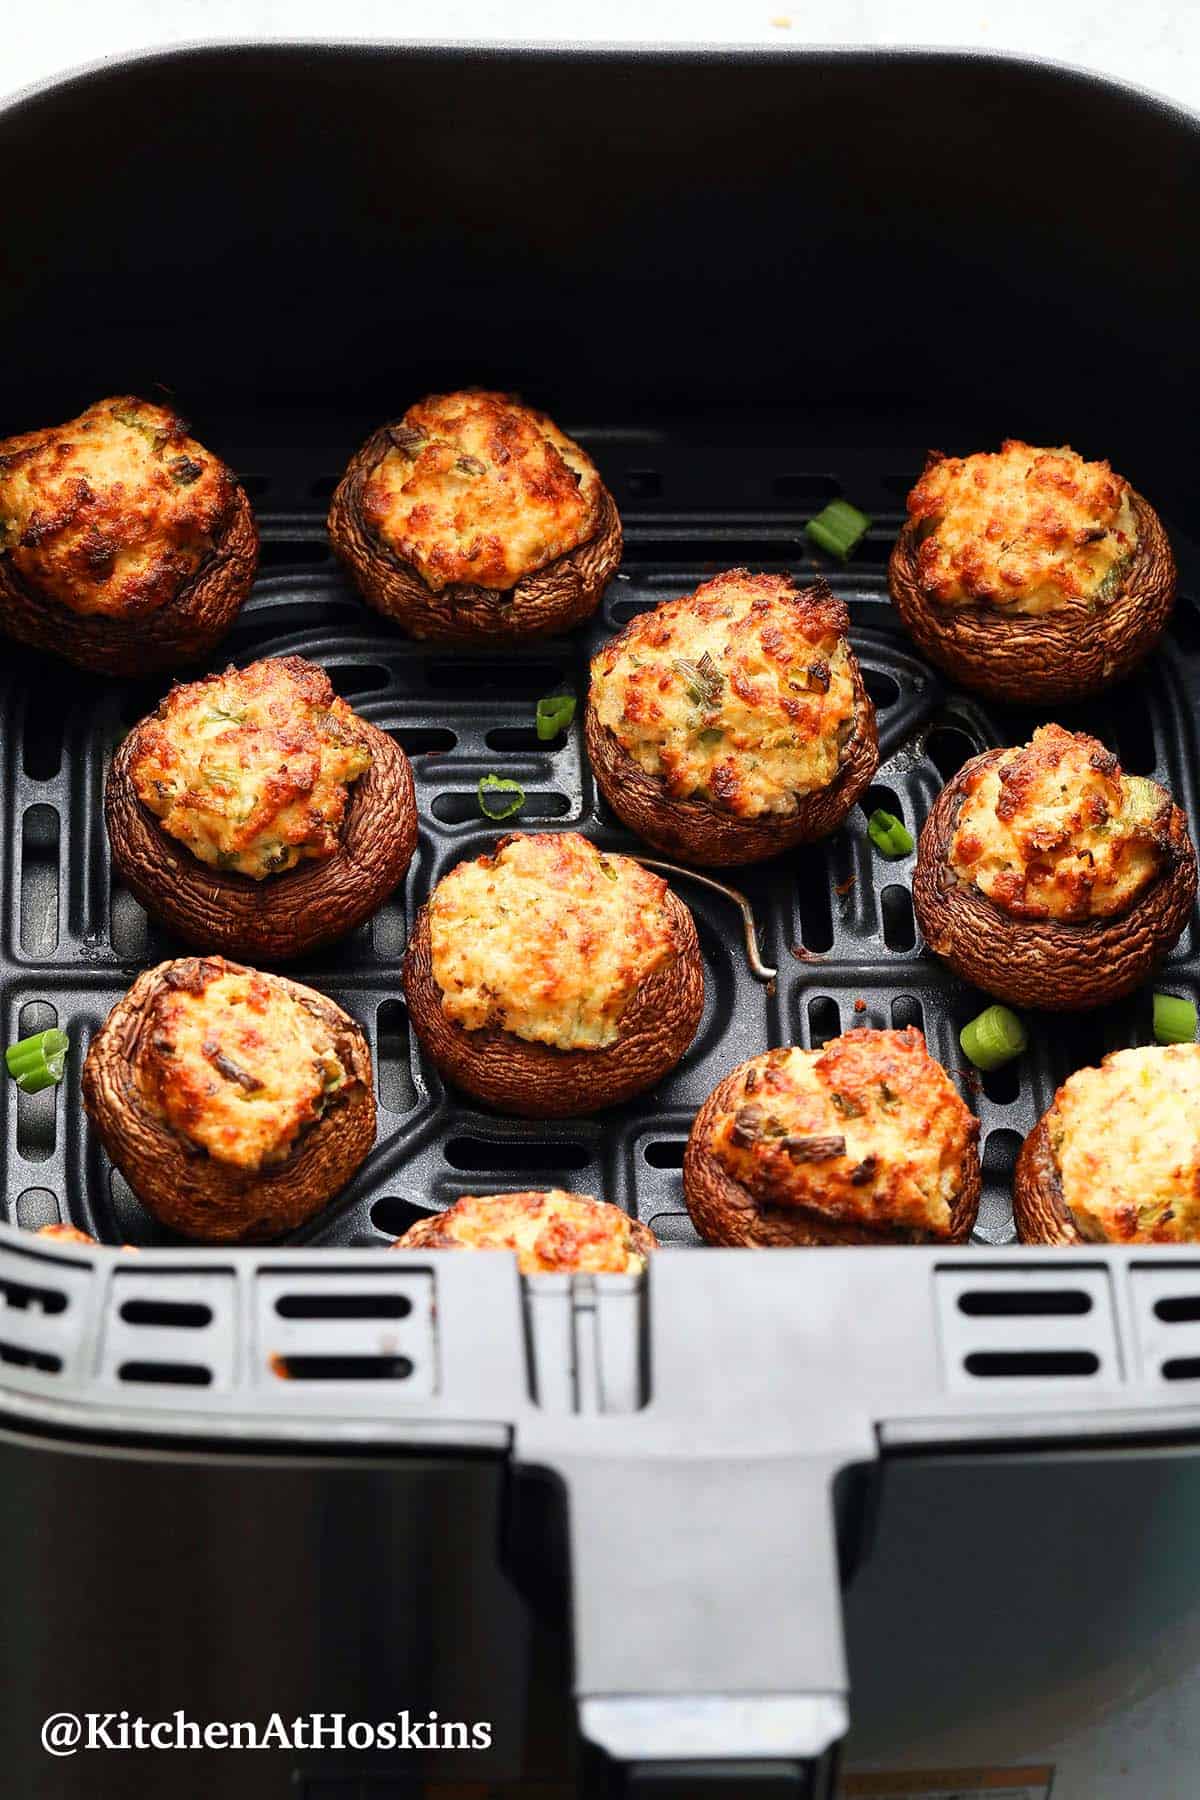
{"x": 748, "y": 284}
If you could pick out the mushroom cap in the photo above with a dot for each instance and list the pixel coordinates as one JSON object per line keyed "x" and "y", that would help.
{"x": 192, "y": 1193}
{"x": 724, "y": 1212}
{"x": 185, "y": 628}
{"x": 286, "y": 915}
{"x": 1039, "y": 1205}
{"x": 1049, "y": 964}
{"x": 551, "y": 599}
{"x": 540, "y": 1081}
{"x": 1031, "y": 658}
{"x": 696, "y": 831}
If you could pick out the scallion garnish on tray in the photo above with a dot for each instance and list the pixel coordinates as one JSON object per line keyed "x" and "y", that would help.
{"x": 994, "y": 1038}
{"x": 838, "y": 528}
{"x": 1174, "y": 1020}
{"x": 890, "y": 835}
{"x": 500, "y": 784}
{"x": 37, "y": 1062}
{"x": 554, "y": 714}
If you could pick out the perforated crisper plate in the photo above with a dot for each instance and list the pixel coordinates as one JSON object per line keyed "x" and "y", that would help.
{"x": 74, "y": 939}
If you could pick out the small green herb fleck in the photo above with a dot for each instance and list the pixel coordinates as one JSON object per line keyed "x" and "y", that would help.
{"x": 554, "y": 713}
{"x": 500, "y": 784}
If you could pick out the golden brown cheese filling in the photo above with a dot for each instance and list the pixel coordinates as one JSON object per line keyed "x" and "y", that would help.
{"x": 553, "y": 1232}
{"x": 252, "y": 769}
{"x": 1054, "y": 830}
{"x": 549, "y": 939}
{"x": 740, "y": 694}
{"x": 113, "y": 512}
{"x": 1026, "y": 529}
{"x": 868, "y": 1131}
{"x": 236, "y": 1064}
{"x": 1126, "y": 1137}
{"x": 477, "y": 488}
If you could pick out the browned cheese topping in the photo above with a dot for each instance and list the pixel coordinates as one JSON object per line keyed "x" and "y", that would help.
{"x": 552, "y": 1232}
{"x": 478, "y": 489}
{"x": 1126, "y": 1138}
{"x": 113, "y": 512}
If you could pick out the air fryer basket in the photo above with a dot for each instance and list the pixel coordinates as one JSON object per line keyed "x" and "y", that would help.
{"x": 748, "y": 284}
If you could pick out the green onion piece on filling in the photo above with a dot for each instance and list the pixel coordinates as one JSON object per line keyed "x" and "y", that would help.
{"x": 889, "y": 834}
{"x": 37, "y": 1062}
{"x": 993, "y": 1039}
{"x": 554, "y": 714}
{"x": 500, "y": 784}
{"x": 838, "y": 528}
{"x": 1174, "y": 1020}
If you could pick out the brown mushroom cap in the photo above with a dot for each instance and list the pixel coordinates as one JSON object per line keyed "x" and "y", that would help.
{"x": 551, "y": 599}
{"x": 1032, "y": 658}
{"x": 1039, "y": 1205}
{"x": 180, "y": 631}
{"x": 1049, "y": 964}
{"x": 540, "y": 1081}
{"x": 724, "y": 1212}
{"x": 192, "y": 1193}
{"x": 696, "y": 831}
{"x": 286, "y": 915}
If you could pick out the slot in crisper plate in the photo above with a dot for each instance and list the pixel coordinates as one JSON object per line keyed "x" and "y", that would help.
{"x": 73, "y": 939}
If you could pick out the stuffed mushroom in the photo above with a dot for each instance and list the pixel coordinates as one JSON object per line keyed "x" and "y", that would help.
{"x": 733, "y": 723}
{"x": 552, "y": 1232}
{"x": 550, "y": 978}
{"x": 1048, "y": 877}
{"x": 255, "y": 813}
{"x": 1116, "y": 1158}
{"x": 68, "y": 1234}
{"x": 236, "y": 1104}
{"x": 125, "y": 545}
{"x": 1030, "y": 574}
{"x": 474, "y": 517}
{"x": 865, "y": 1141}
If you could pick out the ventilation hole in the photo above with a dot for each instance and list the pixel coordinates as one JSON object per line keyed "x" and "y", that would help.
{"x": 948, "y": 749}
{"x": 36, "y": 1113}
{"x": 396, "y": 1090}
{"x": 667, "y": 1153}
{"x": 187, "y": 1315}
{"x": 1181, "y": 1368}
{"x": 824, "y": 1020}
{"x": 898, "y": 484}
{"x": 285, "y": 553}
{"x": 812, "y": 890}
{"x": 472, "y": 677}
{"x": 643, "y": 484}
{"x": 138, "y": 700}
{"x": 22, "y": 1358}
{"x": 42, "y": 743}
{"x": 424, "y": 740}
{"x": 20, "y": 1296}
{"x": 343, "y": 1306}
{"x": 675, "y": 1228}
{"x": 514, "y": 1153}
{"x": 1033, "y": 1363}
{"x": 255, "y": 485}
{"x": 1135, "y": 735}
{"x": 1182, "y": 1311}
{"x": 128, "y": 926}
{"x": 884, "y": 689}
{"x": 907, "y": 1010}
{"x": 1185, "y": 625}
{"x": 356, "y": 678}
{"x": 624, "y": 610}
{"x": 1014, "y": 1303}
{"x": 458, "y": 809}
{"x": 341, "y": 1368}
{"x": 38, "y": 1206}
{"x": 166, "y": 1374}
{"x": 323, "y": 487}
{"x": 393, "y": 1216}
{"x": 522, "y": 737}
{"x": 1002, "y": 1085}
{"x": 389, "y": 930}
{"x": 39, "y": 881}
{"x": 805, "y": 487}
{"x": 899, "y": 929}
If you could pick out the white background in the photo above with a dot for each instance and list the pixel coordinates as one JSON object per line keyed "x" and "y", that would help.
{"x": 1153, "y": 43}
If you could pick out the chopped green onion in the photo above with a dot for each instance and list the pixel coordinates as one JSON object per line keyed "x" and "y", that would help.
{"x": 554, "y": 714}
{"x": 1174, "y": 1020}
{"x": 994, "y": 1038}
{"x": 37, "y": 1062}
{"x": 889, "y": 834}
{"x": 838, "y": 528}
{"x": 500, "y": 784}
